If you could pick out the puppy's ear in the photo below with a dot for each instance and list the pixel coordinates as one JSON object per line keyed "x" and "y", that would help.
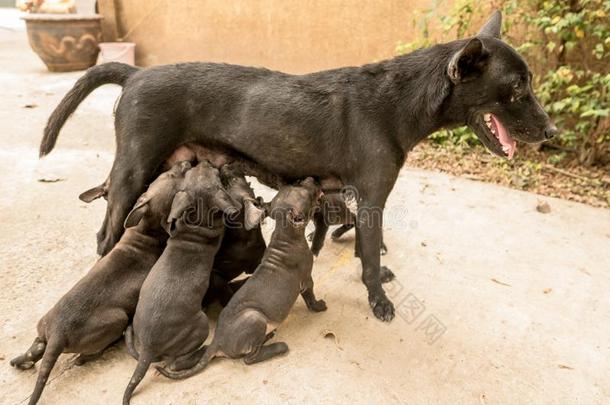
{"x": 493, "y": 26}
{"x": 468, "y": 62}
{"x": 224, "y": 202}
{"x": 181, "y": 202}
{"x": 137, "y": 213}
{"x": 94, "y": 193}
{"x": 253, "y": 214}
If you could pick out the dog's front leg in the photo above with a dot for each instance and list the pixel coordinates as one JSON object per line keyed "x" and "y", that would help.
{"x": 368, "y": 228}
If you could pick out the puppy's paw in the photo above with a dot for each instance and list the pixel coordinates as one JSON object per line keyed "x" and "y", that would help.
{"x": 382, "y": 307}
{"x": 25, "y": 365}
{"x": 318, "y": 306}
{"x": 386, "y": 275}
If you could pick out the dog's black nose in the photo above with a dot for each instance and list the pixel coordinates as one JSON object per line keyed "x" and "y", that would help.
{"x": 550, "y": 131}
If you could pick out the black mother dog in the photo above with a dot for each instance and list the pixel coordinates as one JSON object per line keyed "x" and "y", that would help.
{"x": 356, "y": 124}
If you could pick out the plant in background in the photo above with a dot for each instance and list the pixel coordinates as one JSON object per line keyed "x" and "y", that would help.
{"x": 567, "y": 45}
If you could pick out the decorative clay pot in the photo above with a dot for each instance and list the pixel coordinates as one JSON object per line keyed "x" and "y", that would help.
{"x": 65, "y": 42}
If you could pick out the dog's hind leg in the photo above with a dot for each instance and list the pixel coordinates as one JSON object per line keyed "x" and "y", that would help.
{"x": 337, "y": 233}
{"x": 266, "y": 352}
{"x": 186, "y": 361}
{"x": 28, "y": 359}
{"x": 85, "y": 358}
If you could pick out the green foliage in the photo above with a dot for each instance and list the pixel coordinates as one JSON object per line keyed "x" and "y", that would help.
{"x": 567, "y": 45}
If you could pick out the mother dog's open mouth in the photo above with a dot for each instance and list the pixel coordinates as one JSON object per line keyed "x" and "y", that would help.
{"x": 496, "y": 137}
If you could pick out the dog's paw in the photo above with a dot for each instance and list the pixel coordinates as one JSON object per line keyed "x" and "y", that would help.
{"x": 318, "y": 306}
{"x": 383, "y": 251}
{"x": 386, "y": 275}
{"x": 382, "y": 307}
{"x": 26, "y": 365}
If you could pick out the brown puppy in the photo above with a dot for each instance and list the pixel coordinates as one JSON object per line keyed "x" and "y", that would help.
{"x": 96, "y": 311}
{"x": 169, "y": 323}
{"x": 265, "y": 300}
{"x": 242, "y": 246}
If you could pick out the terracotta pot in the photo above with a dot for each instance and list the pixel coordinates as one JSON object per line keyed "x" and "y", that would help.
{"x": 65, "y": 42}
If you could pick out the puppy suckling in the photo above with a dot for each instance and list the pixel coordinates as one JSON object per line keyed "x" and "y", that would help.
{"x": 334, "y": 210}
{"x": 96, "y": 311}
{"x": 264, "y": 301}
{"x": 169, "y": 323}
{"x": 242, "y": 246}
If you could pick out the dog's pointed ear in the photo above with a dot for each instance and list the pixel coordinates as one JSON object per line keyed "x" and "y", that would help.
{"x": 253, "y": 214}
{"x": 137, "y": 213}
{"x": 181, "y": 202}
{"x": 224, "y": 202}
{"x": 94, "y": 193}
{"x": 468, "y": 61}
{"x": 493, "y": 26}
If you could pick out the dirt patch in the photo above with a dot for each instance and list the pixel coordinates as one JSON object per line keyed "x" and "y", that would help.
{"x": 530, "y": 170}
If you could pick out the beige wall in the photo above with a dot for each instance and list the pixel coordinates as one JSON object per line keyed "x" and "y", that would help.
{"x": 295, "y": 36}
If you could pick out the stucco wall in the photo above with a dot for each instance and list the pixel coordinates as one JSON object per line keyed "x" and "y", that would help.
{"x": 291, "y": 35}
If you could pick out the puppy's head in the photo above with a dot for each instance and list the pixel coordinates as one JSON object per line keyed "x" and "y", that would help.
{"x": 155, "y": 203}
{"x": 201, "y": 199}
{"x": 493, "y": 84}
{"x": 294, "y": 205}
{"x": 239, "y": 189}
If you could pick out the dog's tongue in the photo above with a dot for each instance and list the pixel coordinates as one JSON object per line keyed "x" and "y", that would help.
{"x": 509, "y": 145}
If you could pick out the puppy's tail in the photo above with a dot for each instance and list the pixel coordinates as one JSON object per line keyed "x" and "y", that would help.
{"x": 113, "y": 72}
{"x": 51, "y": 354}
{"x": 209, "y": 353}
{"x": 138, "y": 375}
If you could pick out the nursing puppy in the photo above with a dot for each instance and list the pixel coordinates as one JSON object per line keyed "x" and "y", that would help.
{"x": 169, "y": 323}
{"x": 243, "y": 245}
{"x": 96, "y": 311}
{"x": 266, "y": 298}
{"x": 334, "y": 211}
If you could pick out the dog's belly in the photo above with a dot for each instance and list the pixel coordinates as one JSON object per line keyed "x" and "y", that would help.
{"x": 219, "y": 157}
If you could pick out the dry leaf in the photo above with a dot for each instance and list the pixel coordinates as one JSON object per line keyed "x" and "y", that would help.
{"x": 32, "y": 105}
{"x": 543, "y": 207}
{"x": 500, "y": 282}
{"x": 329, "y": 334}
{"x": 563, "y": 366}
{"x": 50, "y": 179}
{"x": 547, "y": 290}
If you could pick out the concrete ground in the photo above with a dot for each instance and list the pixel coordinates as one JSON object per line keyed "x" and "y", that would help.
{"x": 496, "y": 302}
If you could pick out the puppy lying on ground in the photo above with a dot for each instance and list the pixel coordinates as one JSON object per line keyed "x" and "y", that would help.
{"x": 169, "y": 323}
{"x": 242, "y": 246}
{"x": 96, "y": 311}
{"x": 266, "y": 298}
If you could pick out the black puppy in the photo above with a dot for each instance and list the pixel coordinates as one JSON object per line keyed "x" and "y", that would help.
{"x": 355, "y": 123}
{"x": 264, "y": 301}
{"x": 243, "y": 245}
{"x": 96, "y": 311}
{"x": 334, "y": 211}
{"x": 169, "y": 323}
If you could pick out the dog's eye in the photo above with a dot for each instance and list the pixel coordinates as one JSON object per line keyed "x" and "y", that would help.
{"x": 516, "y": 92}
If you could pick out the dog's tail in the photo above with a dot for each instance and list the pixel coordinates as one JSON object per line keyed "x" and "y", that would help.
{"x": 139, "y": 373}
{"x": 51, "y": 354}
{"x": 113, "y": 72}
{"x": 210, "y": 352}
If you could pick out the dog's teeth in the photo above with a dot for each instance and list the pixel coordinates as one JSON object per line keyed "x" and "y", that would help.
{"x": 505, "y": 149}
{"x": 487, "y": 117}
{"x": 493, "y": 131}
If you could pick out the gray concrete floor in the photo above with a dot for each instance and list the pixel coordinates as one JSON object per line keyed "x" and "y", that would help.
{"x": 497, "y": 303}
